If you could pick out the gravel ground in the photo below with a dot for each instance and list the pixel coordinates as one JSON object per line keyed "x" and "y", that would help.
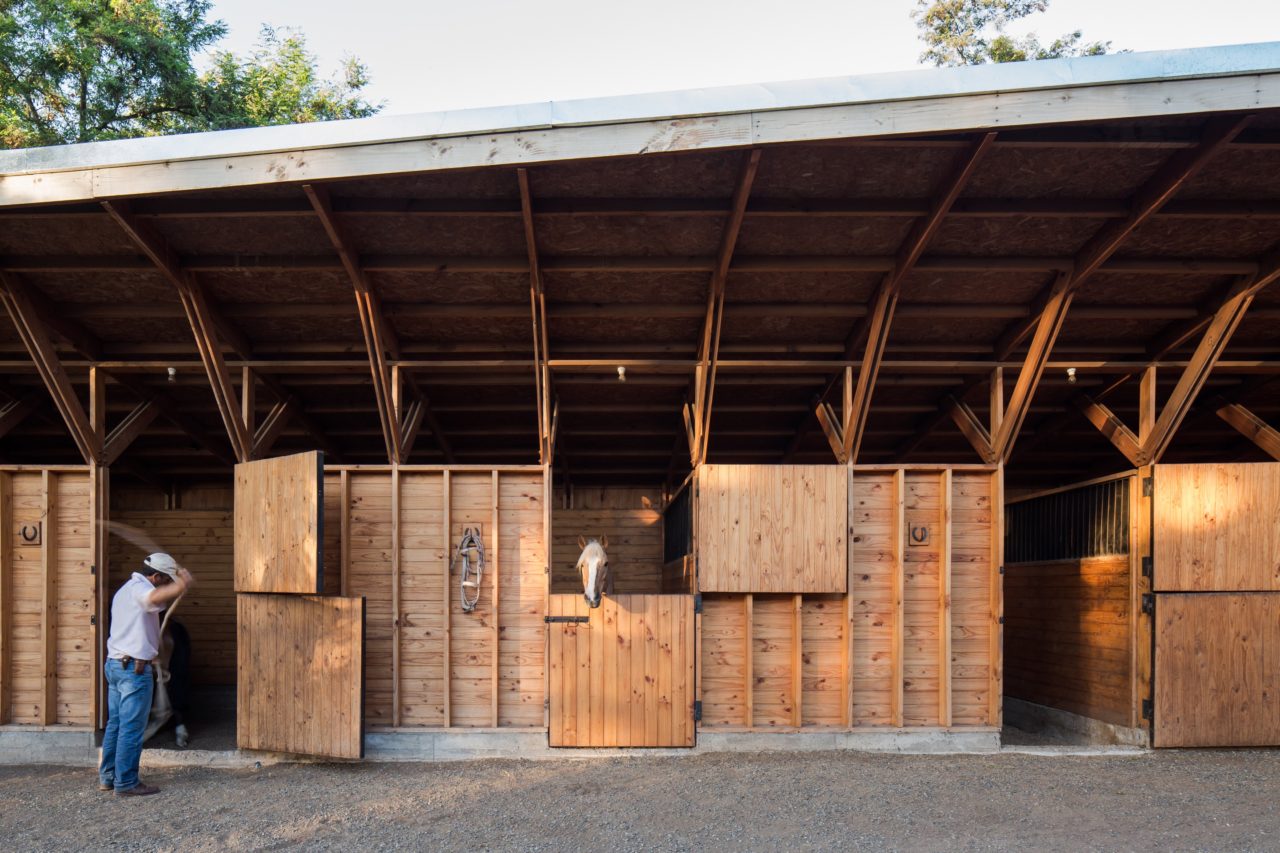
{"x": 799, "y": 801}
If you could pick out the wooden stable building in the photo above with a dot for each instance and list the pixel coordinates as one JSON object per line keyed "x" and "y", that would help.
{"x": 791, "y": 348}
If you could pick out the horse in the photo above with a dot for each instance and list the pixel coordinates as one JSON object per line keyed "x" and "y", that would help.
{"x": 171, "y": 698}
{"x": 594, "y": 567}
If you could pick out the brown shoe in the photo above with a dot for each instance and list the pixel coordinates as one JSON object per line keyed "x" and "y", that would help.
{"x": 107, "y": 787}
{"x": 139, "y": 790}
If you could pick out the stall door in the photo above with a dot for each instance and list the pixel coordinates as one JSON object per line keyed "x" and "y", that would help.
{"x": 300, "y": 656}
{"x": 1216, "y": 560}
{"x": 622, "y": 674}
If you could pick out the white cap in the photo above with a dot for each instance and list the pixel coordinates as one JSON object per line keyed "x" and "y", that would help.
{"x": 162, "y": 563}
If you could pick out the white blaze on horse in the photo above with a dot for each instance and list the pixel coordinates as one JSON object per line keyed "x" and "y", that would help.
{"x": 593, "y": 565}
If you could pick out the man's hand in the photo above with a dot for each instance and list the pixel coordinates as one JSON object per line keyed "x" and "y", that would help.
{"x": 187, "y": 579}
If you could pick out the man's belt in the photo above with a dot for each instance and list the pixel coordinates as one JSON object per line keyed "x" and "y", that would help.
{"x": 139, "y": 665}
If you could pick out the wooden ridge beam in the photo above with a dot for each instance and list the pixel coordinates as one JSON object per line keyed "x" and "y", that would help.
{"x": 35, "y": 337}
{"x": 128, "y": 430}
{"x": 1251, "y": 427}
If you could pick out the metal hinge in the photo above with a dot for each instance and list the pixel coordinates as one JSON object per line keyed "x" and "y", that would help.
{"x": 697, "y": 603}
{"x": 1000, "y": 620}
{"x": 1148, "y": 486}
{"x": 1002, "y": 570}
{"x": 1148, "y": 710}
{"x": 697, "y": 711}
{"x": 93, "y": 570}
{"x": 1148, "y": 565}
{"x": 93, "y": 619}
{"x": 1148, "y": 604}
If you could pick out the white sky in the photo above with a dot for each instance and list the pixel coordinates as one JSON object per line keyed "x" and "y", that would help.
{"x": 444, "y": 54}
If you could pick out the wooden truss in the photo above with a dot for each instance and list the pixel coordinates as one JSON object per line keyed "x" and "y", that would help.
{"x": 548, "y": 409}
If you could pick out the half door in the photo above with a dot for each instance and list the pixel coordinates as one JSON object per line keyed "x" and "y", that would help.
{"x": 622, "y": 673}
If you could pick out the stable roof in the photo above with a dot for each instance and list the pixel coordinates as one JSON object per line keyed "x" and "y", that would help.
{"x": 626, "y": 214}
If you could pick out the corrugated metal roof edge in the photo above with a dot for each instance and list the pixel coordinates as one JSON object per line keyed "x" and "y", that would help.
{"x": 1225, "y": 61}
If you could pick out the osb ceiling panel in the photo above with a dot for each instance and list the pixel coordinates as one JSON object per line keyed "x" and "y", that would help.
{"x": 473, "y": 183}
{"x": 450, "y": 287}
{"x": 747, "y": 287}
{"x": 1106, "y": 332}
{"x": 639, "y": 330}
{"x": 1242, "y": 239}
{"x": 1018, "y": 172}
{"x": 275, "y": 235}
{"x": 436, "y": 235}
{"x": 854, "y": 171}
{"x": 102, "y": 287}
{"x": 628, "y": 235}
{"x": 69, "y": 235}
{"x": 259, "y": 285}
{"x": 1136, "y": 290}
{"x": 694, "y": 176}
{"x": 822, "y": 236}
{"x": 1008, "y": 235}
{"x": 925, "y": 330}
{"x": 973, "y": 287}
{"x": 781, "y": 328}
{"x": 1237, "y": 173}
{"x": 269, "y": 330}
{"x": 628, "y": 287}
{"x": 445, "y": 330}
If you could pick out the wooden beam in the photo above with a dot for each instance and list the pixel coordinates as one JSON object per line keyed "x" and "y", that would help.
{"x": 832, "y": 430}
{"x": 49, "y": 600}
{"x": 1114, "y": 429}
{"x": 897, "y": 643}
{"x": 973, "y": 430}
{"x": 35, "y": 338}
{"x": 1252, "y": 427}
{"x": 16, "y": 411}
{"x": 6, "y": 597}
{"x": 713, "y": 323}
{"x": 377, "y": 337}
{"x": 1221, "y": 328}
{"x": 128, "y": 430}
{"x": 272, "y": 426}
{"x": 1148, "y": 404}
{"x": 179, "y": 416}
{"x": 944, "y": 600}
{"x": 538, "y": 318}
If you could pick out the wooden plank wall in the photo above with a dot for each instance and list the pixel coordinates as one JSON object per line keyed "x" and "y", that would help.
{"x": 385, "y": 539}
{"x": 772, "y": 528}
{"x": 47, "y": 591}
{"x": 1217, "y": 527}
{"x": 881, "y": 655}
{"x": 1216, "y": 664}
{"x": 631, "y": 520}
{"x": 626, "y": 678}
{"x": 1068, "y": 629}
{"x": 201, "y": 540}
{"x": 274, "y": 550}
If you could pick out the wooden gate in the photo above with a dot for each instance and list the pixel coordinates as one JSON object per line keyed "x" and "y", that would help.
{"x": 622, "y": 674}
{"x": 300, "y": 657}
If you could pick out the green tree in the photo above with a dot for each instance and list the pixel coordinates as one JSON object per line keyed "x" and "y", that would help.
{"x": 278, "y": 83}
{"x": 972, "y": 32}
{"x": 78, "y": 70}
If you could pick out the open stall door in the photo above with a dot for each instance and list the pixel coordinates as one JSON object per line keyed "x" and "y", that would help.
{"x": 622, "y": 673}
{"x": 300, "y": 655}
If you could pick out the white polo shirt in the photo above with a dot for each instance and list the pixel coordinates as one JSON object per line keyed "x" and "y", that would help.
{"x": 135, "y": 623}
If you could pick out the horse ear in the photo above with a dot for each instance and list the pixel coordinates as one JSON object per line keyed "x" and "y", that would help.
{"x": 582, "y": 543}
{"x": 604, "y": 541}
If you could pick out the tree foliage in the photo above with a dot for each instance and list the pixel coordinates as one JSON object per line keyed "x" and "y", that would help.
{"x": 84, "y": 70}
{"x": 973, "y": 32}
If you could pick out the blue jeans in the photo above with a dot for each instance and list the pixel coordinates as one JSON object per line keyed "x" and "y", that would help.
{"x": 128, "y": 706}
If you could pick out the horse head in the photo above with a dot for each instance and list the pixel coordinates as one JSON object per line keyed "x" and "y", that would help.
{"x": 594, "y": 567}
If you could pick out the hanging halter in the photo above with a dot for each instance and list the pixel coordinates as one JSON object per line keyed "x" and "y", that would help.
{"x": 471, "y": 552}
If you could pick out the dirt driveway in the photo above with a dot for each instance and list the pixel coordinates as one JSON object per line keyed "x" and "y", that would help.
{"x": 815, "y": 801}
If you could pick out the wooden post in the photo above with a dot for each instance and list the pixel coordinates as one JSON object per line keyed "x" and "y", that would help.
{"x": 1148, "y": 407}
{"x": 944, "y": 600}
{"x": 546, "y": 591}
{"x": 1140, "y": 545}
{"x": 997, "y": 401}
{"x": 797, "y": 660}
{"x": 995, "y": 670}
{"x": 748, "y": 667}
{"x": 99, "y": 515}
{"x": 446, "y": 533}
{"x": 495, "y": 548}
{"x": 846, "y": 666}
{"x": 248, "y": 400}
{"x": 897, "y": 650}
{"x": 344, "y": 522}
{"x": 6, "y": 597}
{"x": 49, "y": 601}
{"x": 395, "y": 596}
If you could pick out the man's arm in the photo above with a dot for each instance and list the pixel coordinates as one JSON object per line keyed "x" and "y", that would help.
{"x": 162, "y": 595}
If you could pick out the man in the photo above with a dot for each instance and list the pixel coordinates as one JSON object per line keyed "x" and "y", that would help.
{"x": 132, "y": 648}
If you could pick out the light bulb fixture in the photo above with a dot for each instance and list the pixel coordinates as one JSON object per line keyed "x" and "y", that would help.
{"x": 173, "y": 374}
{"x": 1071, "y": 375}
{"x": 622, "y": 373}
